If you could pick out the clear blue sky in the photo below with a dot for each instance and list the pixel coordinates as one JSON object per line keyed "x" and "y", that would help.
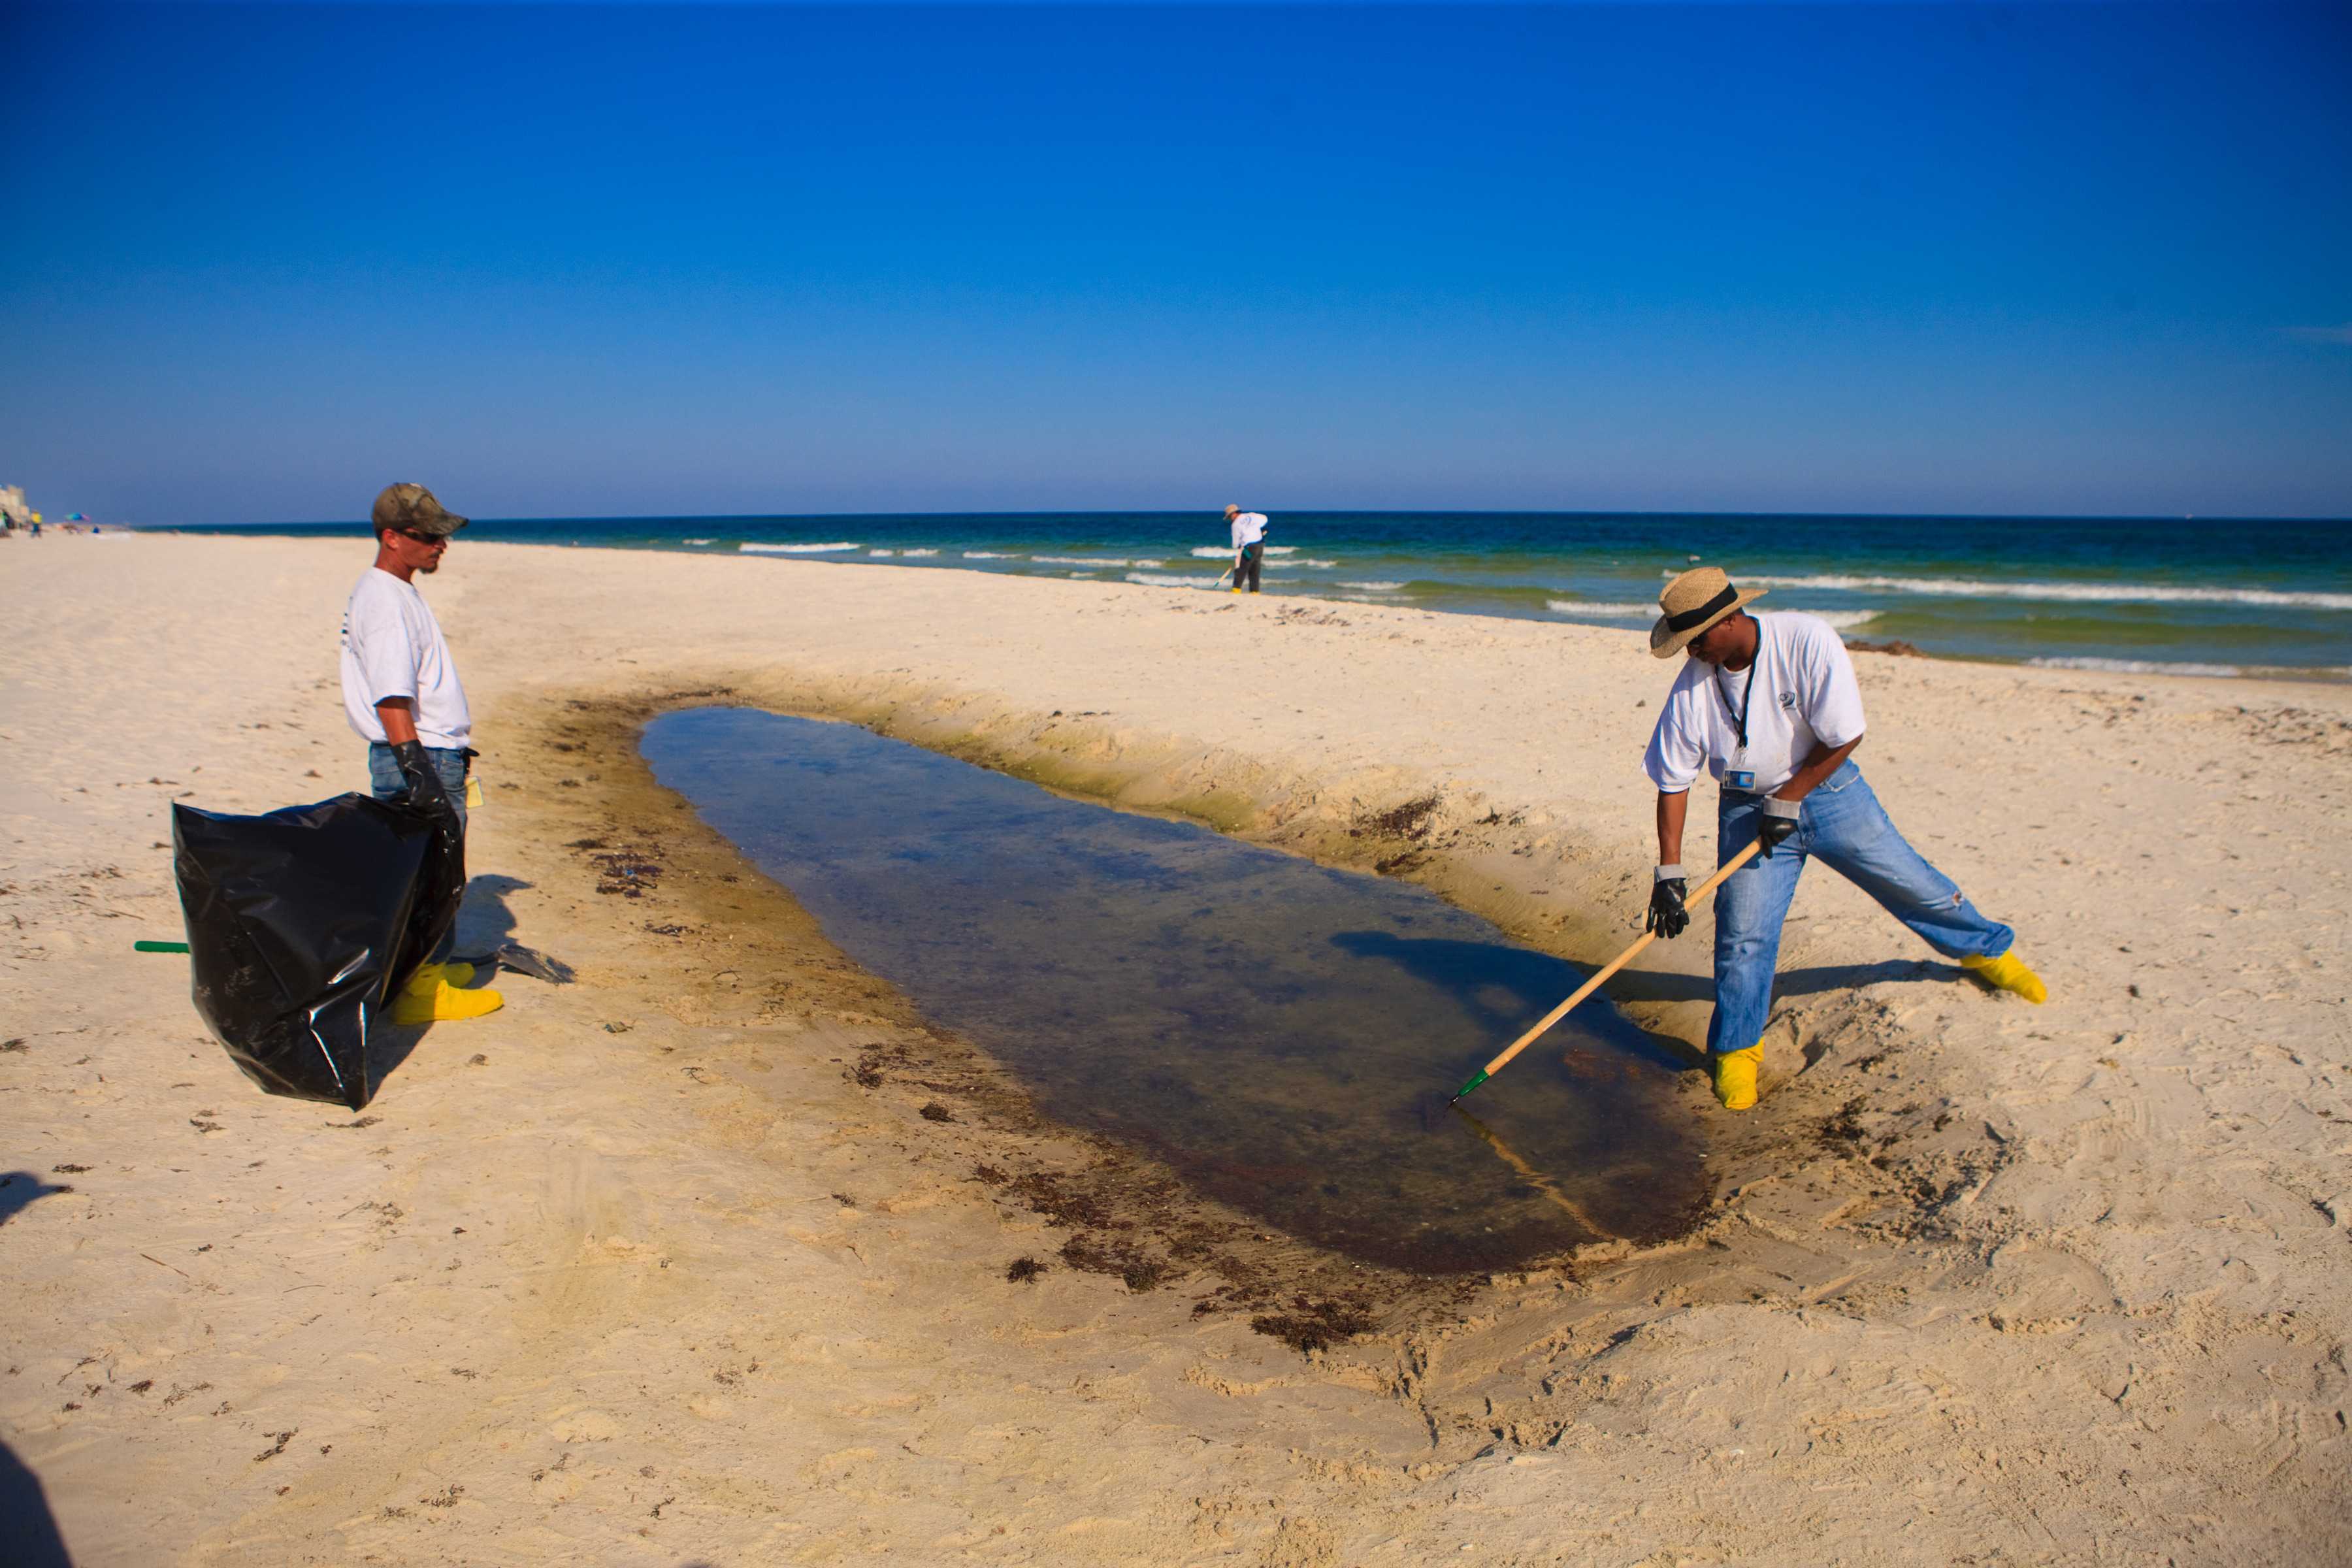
{"x": 586, "y": 259}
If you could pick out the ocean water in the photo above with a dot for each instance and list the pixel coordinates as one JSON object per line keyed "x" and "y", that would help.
{"x": 2230, "y": 597}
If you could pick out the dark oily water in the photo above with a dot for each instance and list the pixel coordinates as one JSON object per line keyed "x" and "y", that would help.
{"x": 1271, "y": 1028}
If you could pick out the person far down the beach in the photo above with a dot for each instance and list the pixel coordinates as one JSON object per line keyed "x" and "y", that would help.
{"x": 1249, "y": 545}
{"x": 1768, "y": 706}
{"x": 401, "y": 693}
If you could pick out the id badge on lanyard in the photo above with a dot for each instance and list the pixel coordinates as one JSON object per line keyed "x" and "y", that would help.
{"x": 1736, "y": 773}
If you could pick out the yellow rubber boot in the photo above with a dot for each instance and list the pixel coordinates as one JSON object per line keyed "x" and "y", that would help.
{"x": 455, "y": 974}
{"x": 427, "y": 998}
{"x": 2008, "y": 973}
{"x": 1735, "y": 1078}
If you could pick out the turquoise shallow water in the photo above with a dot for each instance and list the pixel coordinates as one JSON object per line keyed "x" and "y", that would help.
{"x": 1272, "y": 1029}
{"x": 2191, "y": 595}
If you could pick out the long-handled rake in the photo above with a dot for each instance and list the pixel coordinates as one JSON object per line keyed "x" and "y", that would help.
{"x": 1698, "y": 895}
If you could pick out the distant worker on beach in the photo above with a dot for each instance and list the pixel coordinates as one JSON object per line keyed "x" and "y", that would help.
{"x": 1249, "y": 545}
{"x": 1768, "y": 706}
{"x": 401, "y": 693}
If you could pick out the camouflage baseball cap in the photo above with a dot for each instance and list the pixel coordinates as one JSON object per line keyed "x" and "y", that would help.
{"x": 412, "y": 509}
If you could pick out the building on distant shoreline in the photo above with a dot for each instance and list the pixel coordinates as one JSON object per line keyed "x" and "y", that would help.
{"x": 12, "y": 501}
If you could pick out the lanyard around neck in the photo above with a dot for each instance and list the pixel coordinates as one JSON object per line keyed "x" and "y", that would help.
{"x": 1747, "y": 696}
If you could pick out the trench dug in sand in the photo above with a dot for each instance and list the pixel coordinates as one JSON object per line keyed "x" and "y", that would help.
{"x": 1273, "y": 1030}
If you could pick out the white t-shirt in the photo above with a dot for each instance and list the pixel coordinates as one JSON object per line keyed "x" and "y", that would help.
{"x": 1804, "y": 696}
{"x": 393, "y": 647}
{"x": 1249, "y": 527}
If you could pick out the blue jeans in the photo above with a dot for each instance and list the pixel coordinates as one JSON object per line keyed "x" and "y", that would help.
{"x": 1842, "y": 823}
{"x": 384, "y": 776}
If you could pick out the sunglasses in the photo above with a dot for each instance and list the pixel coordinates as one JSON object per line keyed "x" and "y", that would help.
{"x": 422, "y": 538}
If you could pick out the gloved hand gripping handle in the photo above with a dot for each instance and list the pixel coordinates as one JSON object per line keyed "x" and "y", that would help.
{"x": 1668, "y": 917}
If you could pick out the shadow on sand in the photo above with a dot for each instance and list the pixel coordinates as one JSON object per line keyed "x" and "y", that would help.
{"x": 484, "y": 922}
{"x": 21, "y": 1189}
{"x": 1649, "y": 985}
{"x": 28, "y": 1531}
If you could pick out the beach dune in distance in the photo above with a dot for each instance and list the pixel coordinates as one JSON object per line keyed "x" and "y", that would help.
{"x": 723, "y": 1254}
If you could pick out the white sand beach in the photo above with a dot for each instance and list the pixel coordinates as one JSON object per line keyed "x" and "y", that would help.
{"x": 667, "y": 1267}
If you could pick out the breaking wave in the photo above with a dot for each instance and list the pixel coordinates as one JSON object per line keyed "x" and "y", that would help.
{"x": 2072, "y": 592}
{"x": 1839, "y": 620}
{"x": 1596, "y": 607}
{"x": 2133, "y": 666}
{"x": 796, "y": 549}
{"x": 2164, "y": 667}
{"x": 1168, "y": 580}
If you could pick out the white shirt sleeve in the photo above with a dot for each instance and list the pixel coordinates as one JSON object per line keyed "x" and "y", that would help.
{"x": 385, "y": 652}
{"x": 1678, "y": 750}
{"x": 1832, "y": 700}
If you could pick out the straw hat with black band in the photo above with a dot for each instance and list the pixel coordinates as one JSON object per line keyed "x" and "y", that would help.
{"x": 1693, "y": 602}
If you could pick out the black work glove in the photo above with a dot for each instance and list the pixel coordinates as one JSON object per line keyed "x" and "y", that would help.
{"x": 425, "y": 792}
{"x": 1779, "y": 821}
{"x": 1667, "y": 916}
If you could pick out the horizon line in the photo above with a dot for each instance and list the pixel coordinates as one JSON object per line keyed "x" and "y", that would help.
{"x": 1303, "y": 510}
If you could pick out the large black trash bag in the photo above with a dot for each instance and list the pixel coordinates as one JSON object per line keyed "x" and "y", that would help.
{"x": 302, "y": 922}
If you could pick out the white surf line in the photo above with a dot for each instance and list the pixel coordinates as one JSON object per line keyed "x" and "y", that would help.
{"x": 1168, "y": 580}
{"x": 2070, "y": 592}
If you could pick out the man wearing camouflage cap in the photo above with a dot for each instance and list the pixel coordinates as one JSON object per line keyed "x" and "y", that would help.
{"x": 401, "y": 694}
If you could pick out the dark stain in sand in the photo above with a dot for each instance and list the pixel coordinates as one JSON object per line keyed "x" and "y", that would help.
{"x": 1263, "y": 1025}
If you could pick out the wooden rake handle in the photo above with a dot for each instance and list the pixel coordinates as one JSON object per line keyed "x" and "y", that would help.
{"x": 1699, "y": 895}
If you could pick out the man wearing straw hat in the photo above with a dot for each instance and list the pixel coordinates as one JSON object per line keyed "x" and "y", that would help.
{"x": 1768, "y": 706}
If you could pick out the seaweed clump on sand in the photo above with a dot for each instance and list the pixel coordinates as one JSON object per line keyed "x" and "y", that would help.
{"x": 1311, "y": 1325}
{"x": 1408, "y": 819}
{"x": 1407, "y": 824}
{"x": 1096, "y": 1255}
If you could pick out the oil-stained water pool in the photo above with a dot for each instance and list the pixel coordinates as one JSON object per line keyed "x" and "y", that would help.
{"x": 1273, "y": 1029}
